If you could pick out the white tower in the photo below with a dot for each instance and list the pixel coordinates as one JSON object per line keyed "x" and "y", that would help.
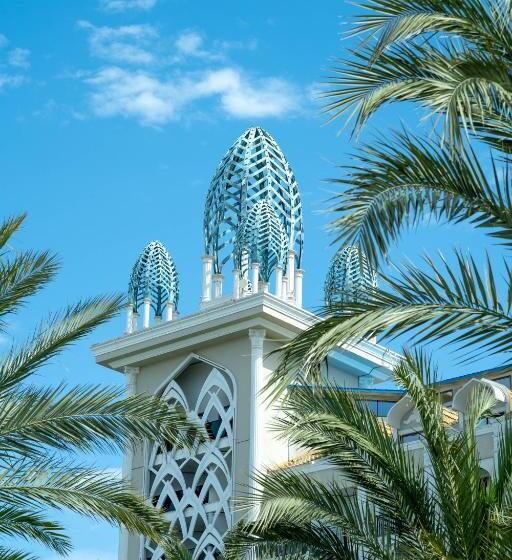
{"x": 215, "y": 362}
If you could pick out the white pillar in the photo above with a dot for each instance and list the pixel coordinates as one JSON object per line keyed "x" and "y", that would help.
{"x": 169, "y": 308}
{"x": 129, "y": 318}
{"x": 135, "y": 321}
{"x": 279, "y": 281}
{"x": 207, "y": 278}
{"x": 257, "y": 416}
{"x": 290, "y": 273}
{"x": 217, "y": 286}
{"x": 284, "y": 289}
{"x": 236, "y": 284}
{"x": 147, "y": 308}
{"x": 255, "y": 277}
{"x": 299, "y": 274}
{"x": 131, "y": 389}
{"x": 264, "y": 287}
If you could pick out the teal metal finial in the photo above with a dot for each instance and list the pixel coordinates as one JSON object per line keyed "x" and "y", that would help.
{"x": 261, "y": 238}
{"x": 254, "y": 169}
{"x": 350, "y": 276}
{"x": 154, "y": 279}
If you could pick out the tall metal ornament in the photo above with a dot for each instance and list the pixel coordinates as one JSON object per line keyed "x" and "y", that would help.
{"x": 154, "y": 278}
{"x": 262, "y": 238}
{"x": 349, "y": 277}
{"x": 253, "y": 169}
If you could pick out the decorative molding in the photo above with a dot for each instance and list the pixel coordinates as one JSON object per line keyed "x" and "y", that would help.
{"x": 196, "y": 487}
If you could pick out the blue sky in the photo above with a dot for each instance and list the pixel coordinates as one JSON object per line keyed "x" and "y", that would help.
{"x": 113, "y": 117}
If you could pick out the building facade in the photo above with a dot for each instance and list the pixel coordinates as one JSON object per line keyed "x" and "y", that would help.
{"x": 215, "y": 362}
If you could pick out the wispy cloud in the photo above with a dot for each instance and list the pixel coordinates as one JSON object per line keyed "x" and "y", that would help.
{"x": 7, "y": 80}
{"x": 191, "y": 43}
{"x": 154, "y": 80}
{"x": 127, "y": 5}
{"x": 19, "y": 58}
{"x": 156, "y": 101}
{"x": 13, "y": 64}
{"x": 128, "y": 43}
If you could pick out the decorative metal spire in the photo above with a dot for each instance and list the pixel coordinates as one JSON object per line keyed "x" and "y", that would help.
{"x": 153, "y": 283}
{"x": 253, "y": 169}
{"x": 261, "y": 238}
{"x": 349, "y": 276}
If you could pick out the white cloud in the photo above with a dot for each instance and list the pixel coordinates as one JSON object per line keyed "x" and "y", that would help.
{"x": 190, "y": 43}
{"x": 7, "y": 80}
{"x": 156, "y": 101}
{"x": 126, "y": 5}
{"x": 19, "y": 58}
{"x": 128, "y": 43}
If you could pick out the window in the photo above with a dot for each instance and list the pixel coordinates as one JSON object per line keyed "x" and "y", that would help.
{"x": 446, "y": 397}
{"x": 379, "y": 408}
{"x": 504, "y": 381}
{"x": 408, "y": 438}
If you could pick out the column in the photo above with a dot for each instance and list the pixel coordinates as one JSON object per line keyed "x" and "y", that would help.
{"x": 255, "y": 279}
{"x": 147, "y": 309}
{"x": 135, "y": 321}
{"x": 129, "y": 318}
{"x": 284, "y": 289}
{"x": 169, "y": 308}
{"x": 217, "y": 286}
{"x": 236, "y": 284}
{"x": 290, "y": 273}
{"x": 299, "y": 273}
{"x": 131, "y": 389}
{"x": 279, "y": 281}
{"x": 257, "y": 337}
{"x": 207, "y": 278}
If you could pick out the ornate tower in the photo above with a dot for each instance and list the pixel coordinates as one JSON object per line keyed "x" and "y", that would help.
{"x": 253, "y": 213}
{"x": 349, "y": 277}
{"x": 153, "y": 285}
{"x": 216, "y": 361}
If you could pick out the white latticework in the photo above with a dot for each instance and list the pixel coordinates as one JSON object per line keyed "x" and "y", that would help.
{"x": 262, "y": 236}
{"x": 195, "y": 489}
{"x": 154, "y": 277}
{"x": 253, "y": 169}
{"x": 350, "y": 276}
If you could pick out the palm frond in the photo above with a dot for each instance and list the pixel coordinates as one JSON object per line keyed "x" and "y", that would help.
{"x": 11, "y": 554}
{"x": 394, "y": 185}
{"x": 89, "y": 419}
{"x": 33, "y": 526}
{"x": 8, "y": 228}
{"x": 458, "y": 303}
{"x": 471, "y": 88}
{"x": 87, "y": 491}
{"x": 53, "y": 336}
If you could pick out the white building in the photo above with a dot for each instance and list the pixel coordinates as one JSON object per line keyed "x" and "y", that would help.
{"x": 214, "y": 362}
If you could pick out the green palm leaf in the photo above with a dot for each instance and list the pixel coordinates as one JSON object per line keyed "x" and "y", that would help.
{"x": 33, "y": 525}
{"x": 88, "y": 419}
{"x": 393, "y": 186}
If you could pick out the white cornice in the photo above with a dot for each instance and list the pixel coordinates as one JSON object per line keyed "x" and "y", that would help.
{"x": 262, "y": 310}
{"x": 280, "y": 319}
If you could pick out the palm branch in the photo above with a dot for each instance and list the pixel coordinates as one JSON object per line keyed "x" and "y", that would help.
{"x": 393, "y": 185}
{"x": 399, "y": 510}
{"x": 451, "y": 57}
{"x": 37, "y": 422}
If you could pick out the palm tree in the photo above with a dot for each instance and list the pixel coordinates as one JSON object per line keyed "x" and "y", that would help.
{"x": 453, "y": 57}
{"x": 41, "y": 428}
{"x": 399, "y": 510}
